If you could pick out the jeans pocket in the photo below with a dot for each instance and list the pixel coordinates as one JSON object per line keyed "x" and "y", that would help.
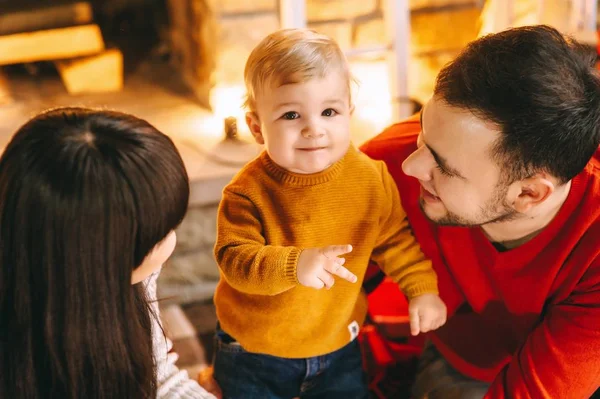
{"x": 226, "y": 343}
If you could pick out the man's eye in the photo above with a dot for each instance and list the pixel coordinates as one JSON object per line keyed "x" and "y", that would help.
{"x": 443, "y": 171}
{"x": 329, "y": 112}
{"x": 291, "y": 115}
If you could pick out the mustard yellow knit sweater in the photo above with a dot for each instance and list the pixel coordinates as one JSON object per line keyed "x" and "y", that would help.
{"x": 268, "y": 215}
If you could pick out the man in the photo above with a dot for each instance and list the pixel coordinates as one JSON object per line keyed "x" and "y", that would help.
{"x": 500, "y": 179}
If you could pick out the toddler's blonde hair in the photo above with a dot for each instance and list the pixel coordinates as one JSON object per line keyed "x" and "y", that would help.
{"x": 291, "y": 56}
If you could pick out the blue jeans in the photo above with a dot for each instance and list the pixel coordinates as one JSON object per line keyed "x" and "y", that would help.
{"x": 245, "y": 375}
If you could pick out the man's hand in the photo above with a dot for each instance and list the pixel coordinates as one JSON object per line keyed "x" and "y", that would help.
{"x": 427, "y": 312}
{"x": 316, "y": 266}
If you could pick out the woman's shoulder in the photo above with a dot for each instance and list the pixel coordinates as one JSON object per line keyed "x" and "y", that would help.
{"x": 172, "y": 382}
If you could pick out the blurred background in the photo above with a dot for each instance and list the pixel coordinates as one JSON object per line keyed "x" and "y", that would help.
{"x": 179, "y": 64}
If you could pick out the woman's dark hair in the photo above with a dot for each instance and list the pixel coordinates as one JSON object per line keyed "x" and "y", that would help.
{"x": 540, "y": 89}
{"x": 85, "y": 195}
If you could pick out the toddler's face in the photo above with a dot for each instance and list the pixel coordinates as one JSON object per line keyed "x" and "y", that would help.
{"x": 304, "y": 126}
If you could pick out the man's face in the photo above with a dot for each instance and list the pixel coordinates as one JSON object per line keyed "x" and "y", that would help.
{"x": 460, "y": 183}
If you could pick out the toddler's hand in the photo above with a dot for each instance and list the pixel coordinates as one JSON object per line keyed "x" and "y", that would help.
{"x": 427, "y": 312}
{"x": 316, "y": 266}
{"x": 207, "y": 381}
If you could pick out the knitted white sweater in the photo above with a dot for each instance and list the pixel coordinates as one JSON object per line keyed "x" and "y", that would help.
{"x": 172, "y": 382}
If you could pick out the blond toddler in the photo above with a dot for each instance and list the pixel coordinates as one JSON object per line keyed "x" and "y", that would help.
{"x": 297, "y": 228}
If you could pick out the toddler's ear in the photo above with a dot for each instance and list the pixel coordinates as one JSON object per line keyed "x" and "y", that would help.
{"x": 254, "y": 125}
{"x": 352, "y": 107}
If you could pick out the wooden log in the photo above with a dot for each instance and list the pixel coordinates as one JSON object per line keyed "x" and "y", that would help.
{"x": 27, "y": 19}
{"x": 97, "y": 73}
{"x": 52, "y": 44}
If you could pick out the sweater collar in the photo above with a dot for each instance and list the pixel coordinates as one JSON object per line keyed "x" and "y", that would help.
{"x": 298, "y": 179}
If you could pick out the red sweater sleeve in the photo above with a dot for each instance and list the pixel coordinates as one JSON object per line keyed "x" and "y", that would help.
{"x": 561, "y": 357}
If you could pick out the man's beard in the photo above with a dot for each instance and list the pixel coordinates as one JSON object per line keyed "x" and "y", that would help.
{"x": 496, "y": 210}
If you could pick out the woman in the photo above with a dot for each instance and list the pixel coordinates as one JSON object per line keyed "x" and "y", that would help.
{"x": 89, "y": 201}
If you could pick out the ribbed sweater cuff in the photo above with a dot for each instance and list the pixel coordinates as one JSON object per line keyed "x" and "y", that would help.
{"x": 428, "y": 287}
{"x": 290, "y": 266}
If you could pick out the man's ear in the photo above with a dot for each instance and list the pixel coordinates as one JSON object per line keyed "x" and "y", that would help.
{"x": 533, "y": 191}
{"x": 254, "y": 125}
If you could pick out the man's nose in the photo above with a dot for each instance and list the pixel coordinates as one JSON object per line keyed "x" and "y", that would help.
{"x": 419, "y": 164}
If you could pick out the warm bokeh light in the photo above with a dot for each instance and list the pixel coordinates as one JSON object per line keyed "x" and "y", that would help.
{"x": 226, "y": 101}
{"x": 372, "y": 95}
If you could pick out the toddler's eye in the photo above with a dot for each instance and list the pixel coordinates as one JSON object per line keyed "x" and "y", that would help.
{"x": 291, "y": 115}
{"x": 329, "y": 112}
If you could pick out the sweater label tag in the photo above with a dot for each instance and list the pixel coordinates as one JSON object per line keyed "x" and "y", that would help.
{"x": 353, "y": 328}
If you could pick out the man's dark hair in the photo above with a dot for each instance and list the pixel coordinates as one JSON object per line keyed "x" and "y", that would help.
{"x": 542, "y": 91}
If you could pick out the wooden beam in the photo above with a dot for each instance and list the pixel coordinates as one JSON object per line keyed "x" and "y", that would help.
{"x": 98, "y": 73}
{"x": 397, "y": 22}
{"x": 27, "y": 19}
{"x": 292, "y": 13}
{"x": 52, "y": 44}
